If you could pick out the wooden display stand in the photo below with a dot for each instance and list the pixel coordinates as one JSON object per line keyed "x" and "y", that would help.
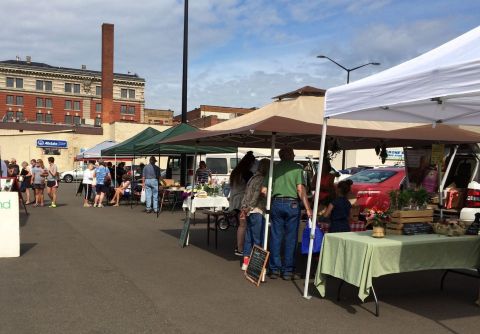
{"x": 400, "y": 218}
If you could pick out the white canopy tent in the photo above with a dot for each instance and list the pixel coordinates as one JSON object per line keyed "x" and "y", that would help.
{"x": 440, "y": 86}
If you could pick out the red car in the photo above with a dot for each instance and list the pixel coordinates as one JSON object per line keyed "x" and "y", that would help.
{"x": 371, "y": 186}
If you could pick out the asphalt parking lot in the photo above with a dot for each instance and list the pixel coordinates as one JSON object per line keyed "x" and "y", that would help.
{"x": 119, "y": 270}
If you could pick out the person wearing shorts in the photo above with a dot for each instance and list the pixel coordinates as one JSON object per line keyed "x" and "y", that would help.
{"x": 102, "y": 174}
{"x": 38, "y": 180}
{"x": 52, "y": 182}
{"x": 25, "y": 181}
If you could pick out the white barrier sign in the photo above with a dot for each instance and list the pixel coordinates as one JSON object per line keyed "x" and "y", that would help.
{"x": 9, "y": 225}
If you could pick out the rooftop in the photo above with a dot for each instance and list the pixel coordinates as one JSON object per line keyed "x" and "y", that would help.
{"x": 304, "y": 91}
{"x": 31, "y": 65}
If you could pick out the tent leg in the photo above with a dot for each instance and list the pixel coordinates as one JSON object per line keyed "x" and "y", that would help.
{"x": 315, "y": 208}
{"x": 444, "y": 180}
{"x": 269, "y": 196}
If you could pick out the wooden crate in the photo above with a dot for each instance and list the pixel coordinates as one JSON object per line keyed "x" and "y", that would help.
{"x": 411, "y": 213}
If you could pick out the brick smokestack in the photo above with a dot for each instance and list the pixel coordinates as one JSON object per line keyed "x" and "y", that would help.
{"x": 107, "y": 73}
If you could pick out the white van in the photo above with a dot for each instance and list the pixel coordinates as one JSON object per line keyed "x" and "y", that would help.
{"x": 221, "y": 165}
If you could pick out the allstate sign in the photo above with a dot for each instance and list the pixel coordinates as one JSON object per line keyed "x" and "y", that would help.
{"x": 47, "y": 143}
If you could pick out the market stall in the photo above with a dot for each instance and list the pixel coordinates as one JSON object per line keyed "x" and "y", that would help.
{"x": 439, "y": 87}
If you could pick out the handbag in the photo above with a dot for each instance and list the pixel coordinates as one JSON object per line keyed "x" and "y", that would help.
{"x": 143, "y": 196}
{"x": 317, "y": 242}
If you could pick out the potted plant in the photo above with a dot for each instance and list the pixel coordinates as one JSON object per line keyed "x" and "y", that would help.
{"x": 378, "y": 219}
{"x": 420, "y": 198}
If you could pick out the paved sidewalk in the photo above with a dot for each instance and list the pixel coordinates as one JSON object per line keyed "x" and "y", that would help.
{"x": 119, "y": 270}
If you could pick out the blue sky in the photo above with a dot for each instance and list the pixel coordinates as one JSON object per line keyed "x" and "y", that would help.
{"x": 242, "y": 53}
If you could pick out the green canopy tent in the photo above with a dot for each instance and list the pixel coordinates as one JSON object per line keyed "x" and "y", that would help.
{"x": 152, "y": 145}
{"x": 126, "y": 147}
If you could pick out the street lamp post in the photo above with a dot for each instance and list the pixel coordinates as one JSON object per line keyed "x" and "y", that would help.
{"x": 348, "y": 70}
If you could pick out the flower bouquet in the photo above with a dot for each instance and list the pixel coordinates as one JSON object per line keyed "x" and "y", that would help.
{"x": 378, "y": 219}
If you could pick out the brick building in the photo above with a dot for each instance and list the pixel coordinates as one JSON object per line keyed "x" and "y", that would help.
{"x": 41, "y": 93}
{"x": 158, "y": 116}
{"x": 206, "y": 115}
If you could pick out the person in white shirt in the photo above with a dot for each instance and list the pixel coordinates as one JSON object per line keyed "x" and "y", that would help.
{"x": 87, "y": 185}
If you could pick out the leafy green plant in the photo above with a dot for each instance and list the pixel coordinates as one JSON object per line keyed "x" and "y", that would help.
{"x": 420, "y": 197}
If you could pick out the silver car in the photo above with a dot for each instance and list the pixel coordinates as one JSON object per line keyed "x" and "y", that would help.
{"x": 71, "y": 175}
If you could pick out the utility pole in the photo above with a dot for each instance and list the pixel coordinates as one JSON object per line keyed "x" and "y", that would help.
{"x": 183, "y": 158}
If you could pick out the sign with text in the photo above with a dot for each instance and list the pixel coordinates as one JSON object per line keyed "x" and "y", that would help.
{"x": 256, "y": 265}
{"x": 50, "y": 143}
{"x": 9, "y": 225}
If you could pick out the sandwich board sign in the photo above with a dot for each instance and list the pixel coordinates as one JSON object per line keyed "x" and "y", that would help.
{"x": 9, "y": 224}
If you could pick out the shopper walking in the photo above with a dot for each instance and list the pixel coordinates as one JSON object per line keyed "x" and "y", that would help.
{"x": 38, "y": 178}
{"x": 253, "y": 207}
{"x": 101, "y": 174}
{"x": 288, "y": 189}
{"x": 150, "y": 178}
{"x": 52, "y": 182}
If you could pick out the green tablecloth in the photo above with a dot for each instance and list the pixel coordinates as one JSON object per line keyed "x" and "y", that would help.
{"x": 356, "y": 257}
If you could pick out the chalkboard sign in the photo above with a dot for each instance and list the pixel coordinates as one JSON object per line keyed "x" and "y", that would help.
{"x": 185, "y": 231}
{"x": 256, "y": 265}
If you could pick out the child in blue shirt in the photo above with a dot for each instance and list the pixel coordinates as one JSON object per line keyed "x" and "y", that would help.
{"x": 339, "y": 209}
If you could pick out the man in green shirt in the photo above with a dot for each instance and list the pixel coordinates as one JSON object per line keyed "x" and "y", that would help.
{"x": 288, "y": 189}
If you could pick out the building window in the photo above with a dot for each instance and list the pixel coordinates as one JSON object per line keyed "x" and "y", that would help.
{"x": 39, "y": 84}
{"x": 131, "y": 110}
{"x": 19, "y": 115}
{"x": 39, "y": 117}
{"x": 76, "y": 88}
{"x": 43, "y": 85}
{"x": 48, "y": 103}
{"x": 77, "y": 120}
{"x": 8, "y": 116}
{"x": 68, "y": 105}
{"x": 98, "y": 121}
{"x": 76, "y": 105}
{"x": 131, "y": 93}
{"x": 98, "y": 90}
{"x": 98, "y": 107}
{"x": 68, "y": 87}
{"x": 19, "y": 100}
{"x": 68, "y": 119}
{"x": 123, "y": 109}
{"x": 51, "y": 151}
{"x": 124, "y": 93}
{"x": 48, "y": 118}
{"x": 39, "y": 102}
{"x": 14, "y": 82}
{"x": 10, "y": 99}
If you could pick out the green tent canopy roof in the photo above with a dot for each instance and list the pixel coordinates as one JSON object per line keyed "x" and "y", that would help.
{"x": 152, "y": 145}
{"x": 126, "y": 148}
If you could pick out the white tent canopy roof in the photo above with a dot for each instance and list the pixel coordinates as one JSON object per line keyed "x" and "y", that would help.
{"x": 95, "y": 152}
{"x": 442, "y": 86}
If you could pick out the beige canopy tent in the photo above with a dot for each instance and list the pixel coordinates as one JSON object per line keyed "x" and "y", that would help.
{"x": 297, "y": 122}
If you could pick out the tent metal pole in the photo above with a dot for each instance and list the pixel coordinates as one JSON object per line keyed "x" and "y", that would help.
{"x": 115, "y": 182}
{"x": 315, "y": 208}
{"x": 269, "y": 195}
{"x": 444, "y": 180}
{"x": 190, "y": 205}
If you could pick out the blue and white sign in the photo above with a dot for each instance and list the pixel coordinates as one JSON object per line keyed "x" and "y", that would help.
{"x": 395, "y": 154}
{"x": 47, "y": 143}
